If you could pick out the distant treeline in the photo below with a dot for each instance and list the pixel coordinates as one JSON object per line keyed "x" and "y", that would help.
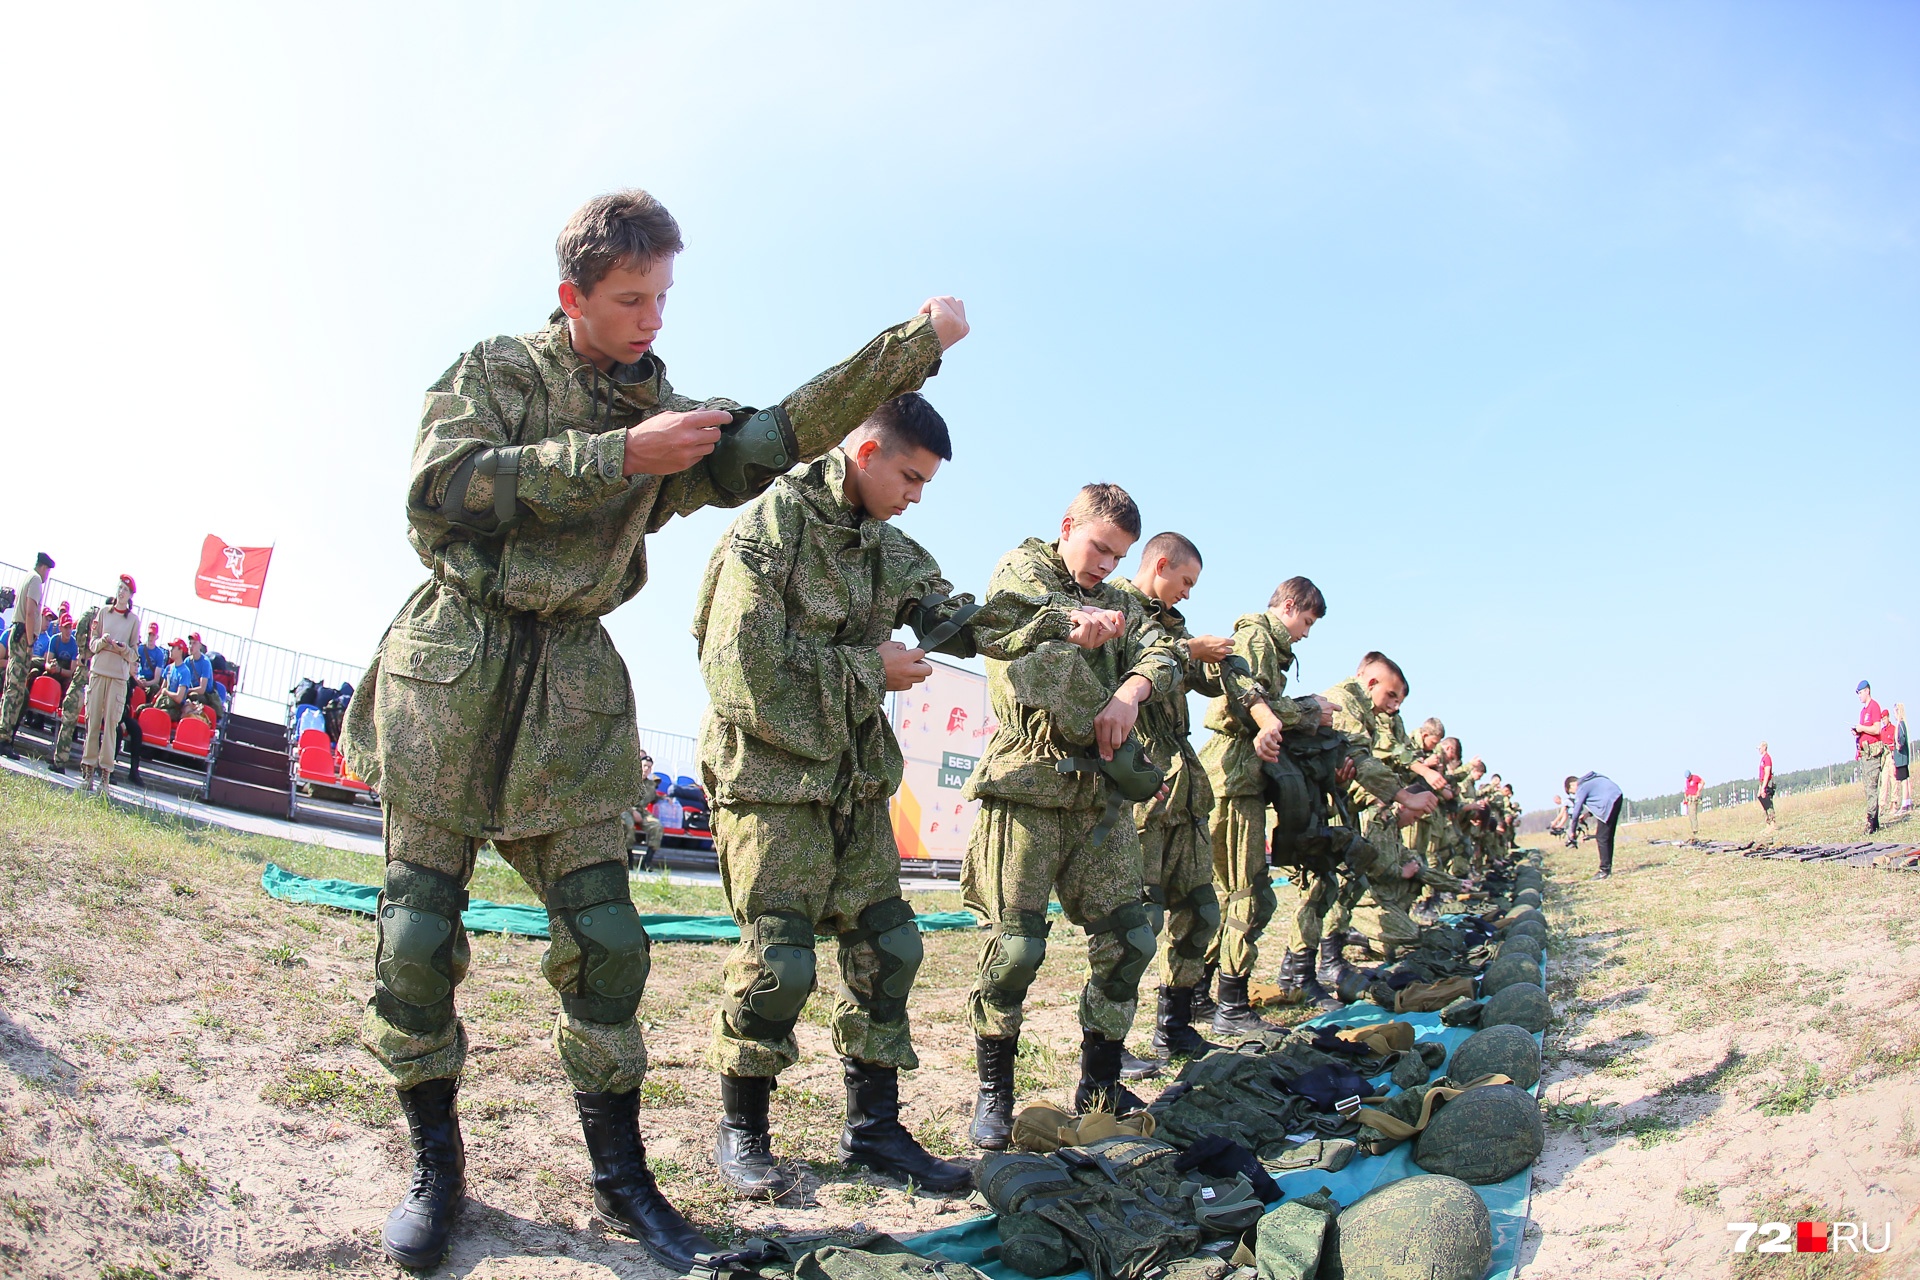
{"x": 1721, "y": 795}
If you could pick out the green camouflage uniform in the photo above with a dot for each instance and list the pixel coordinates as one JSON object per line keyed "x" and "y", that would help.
{"x": 1034, "y": 835}
{"x": 13, "y": 702}
{"x": 1239, "y": 832}
{"x": 497, "y": 707}
{"x": 1381, "y": 753}
{"x": 800, "y": 760}
{"x": 77, "y": 688}
{"x": 1173, "y": 830}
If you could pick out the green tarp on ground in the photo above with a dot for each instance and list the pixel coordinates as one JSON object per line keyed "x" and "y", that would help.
{"x": 531, "y": 922}
{"x": 1507, "y": 1202}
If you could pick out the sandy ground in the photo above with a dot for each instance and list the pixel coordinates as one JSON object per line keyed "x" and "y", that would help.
{"x": 1734, "y": 1041}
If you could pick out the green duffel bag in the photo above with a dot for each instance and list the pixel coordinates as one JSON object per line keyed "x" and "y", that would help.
{"x": 1521, "y": 944}
{"x": 1484, "y": 1135}
{"x": 1504, "y": 1050}
{"x": 1419, "y": 1228}
{"x": 1522, "y": 1004}
{"x": 1507, "y": 971}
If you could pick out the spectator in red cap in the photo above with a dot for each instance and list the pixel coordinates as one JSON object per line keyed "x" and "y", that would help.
{"x": 114, "y": 635}
{"x": 20, "y": 638}
{"x": 177, "y": 683}
{"x": 153, "y": 661}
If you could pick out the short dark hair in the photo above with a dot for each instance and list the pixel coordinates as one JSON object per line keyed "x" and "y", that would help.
{"x": 1455, "y": 744}
{"x": 1176, "y": 547}
{"x": 1376, "y": 658}
{"x": 1102, "y": 501}
{"x": 1302, "y": 595}
{"x": 621, "y": 227}
{"x": 908, "y": 422}
{"x": 1569, "y": 782}
{"x": 41, "y": 560}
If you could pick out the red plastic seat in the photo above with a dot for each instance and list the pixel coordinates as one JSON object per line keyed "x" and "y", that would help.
{"x": 315, "y": 740}
{"x": 193, "y": 736}
{"x": 44, "y": 695}
{"x": 316, "y": 764}
{"x": 347, "y": 776}
{"x": 137, "y": 699}
{"x": 156, "y": 726}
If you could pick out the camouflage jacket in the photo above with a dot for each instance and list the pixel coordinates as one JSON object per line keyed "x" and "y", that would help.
{"x": 83, "y": 632}
{"x": 1165, "y": 724}
{"x": 1371, "y": 746}
{"x": 1045, "y": 701}
{"x": 796, "y": 598}
{"x": 496, "y": 704}
{"x": 1232, "y": 767}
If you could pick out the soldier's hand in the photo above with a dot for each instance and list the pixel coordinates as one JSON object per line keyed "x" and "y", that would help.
{"x": 671, "y": 442}
{"x": 1209, "y": 648}
{"x": 1267, "y": 743}
{"x": 1418, "y": 803}
{"x": 1094, "y": 627}
{"x": 905, "y": 667}
{"x": 1326, "y": 711}
{"x": 1116, "y": 719}
{"x": 949, "y": 319}
{"x": 1345, "y": 772}
{"x": 1409, "y": 870}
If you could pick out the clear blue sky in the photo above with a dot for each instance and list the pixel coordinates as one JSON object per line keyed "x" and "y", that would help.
{"x": 1570, "y": 348}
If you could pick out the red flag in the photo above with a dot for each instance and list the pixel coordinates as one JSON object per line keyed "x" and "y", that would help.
{"x": 232, "y": 575}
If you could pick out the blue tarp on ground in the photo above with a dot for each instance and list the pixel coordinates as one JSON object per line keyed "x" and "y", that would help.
{"x": 531, "y": 922}
{"x": 1507, "y": 1202}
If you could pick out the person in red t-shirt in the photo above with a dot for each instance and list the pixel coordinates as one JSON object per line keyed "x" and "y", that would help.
{"x": 1694, "y": 783}
{"x": 1766, "y": 786}
{"x": 1870, "y": 748}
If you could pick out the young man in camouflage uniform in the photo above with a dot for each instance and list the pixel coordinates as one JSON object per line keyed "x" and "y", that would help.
{"x": 1383, "y": 802}
{"x": 794, "y": 626}
{"x": 498, "y": 709}
{"x": 1180, "y": 901}
{"x": 28, "y": 618}
{"x": 1248, "y": 723}
{"x": 1052, "y": 819}
{"x": 76, "y": 689}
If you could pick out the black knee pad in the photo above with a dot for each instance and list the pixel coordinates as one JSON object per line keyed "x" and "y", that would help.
{"x": 1129, "y": 927}
{"x": 784, "y": 943}
{"x": 889, "y": 926}
{"x": 1205, "y": 905}
{"x": 594, "y": 907}
{"x": 421, "y": 953}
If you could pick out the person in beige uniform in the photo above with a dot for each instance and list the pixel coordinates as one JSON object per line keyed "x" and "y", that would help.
{"x": 115, "y": 633}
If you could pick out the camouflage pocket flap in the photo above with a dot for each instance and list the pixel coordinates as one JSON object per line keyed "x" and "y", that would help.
{"x": 589, "y": 674}
{"x": 432, "y": 658}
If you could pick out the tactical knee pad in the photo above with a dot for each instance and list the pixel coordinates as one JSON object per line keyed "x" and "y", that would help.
{"x": 1128, "y": 926}
{"x": 594, "y": 907}
{"x": 1153, "y": 900}
{"x": 889, "y": 926}
{"x": 421, "y": 952}
{"x": 1014, "y": 956}
{"x": 784, "y": 944}
{"x": 1205, "y": 905}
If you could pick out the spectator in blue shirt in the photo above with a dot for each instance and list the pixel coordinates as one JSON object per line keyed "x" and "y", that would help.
{"x": 1596, "y": 794}
{"x": 177, "y": 683}
{"x": 203, "y": 686}
{"x": 63, "y": 649}
{"x": 153, "y": 659}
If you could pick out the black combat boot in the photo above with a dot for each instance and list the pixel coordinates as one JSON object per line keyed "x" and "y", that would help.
{"x": 875, "y": 1137}
{"x": 420, "y": 1226}
{"x": 1234, "y": 1016}
{"x": 1333, "y": 969}
{"x": 1297, "y": 982}
{"x": 625, "y": 1196}
{"x": 1100, "y": 1088}
{"x": 1203, "y": 1002}
{"x": 743, "y": 1146}
{"x": 1173, "y": 1032}
{"x": 993, "y": 1105}
{"x": 1132, "y": 1068}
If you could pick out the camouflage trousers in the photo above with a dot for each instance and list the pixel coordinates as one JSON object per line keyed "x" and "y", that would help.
{"x": 1385, "y": 912}
{"x": 1873, "y": 759}
{"x": 598, "y": 1057}
{"x": 827, "y": 868}
{"x": 13, "y": 703}
{"x": 1019, "y": 855}
{"x": 1178, "y": 859}
{"x": 1388, "y": 856}
{"x": 70, "y": 710}
{"x": 1242, "y": 877}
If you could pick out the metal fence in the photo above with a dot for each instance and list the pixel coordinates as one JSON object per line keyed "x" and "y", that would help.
{"x": 1726, "y": 795}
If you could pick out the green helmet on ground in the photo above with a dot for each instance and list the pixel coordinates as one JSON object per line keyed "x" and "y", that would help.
{"x": 1419, "y": 1228}
{"x": 1522, "y": 1004}
{"x": 1504, "y": 1050}
{"x": 1484, "y": 1135}
{"x": 1508, "y": 970}
{"x": 1534, "y": 926}
{"x": 1528, "y": 897}
{"x": 1526, "y": 914}
{"x": 1522, "y": 944}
